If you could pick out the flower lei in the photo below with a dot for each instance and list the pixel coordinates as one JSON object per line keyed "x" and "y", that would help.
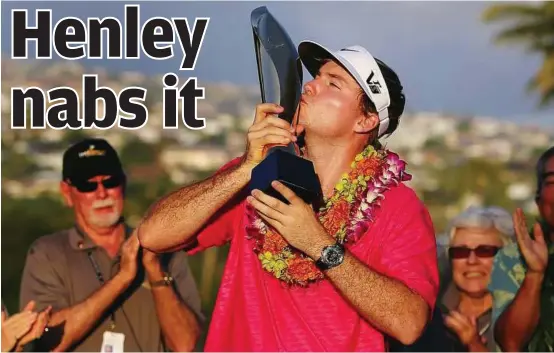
{"x": 355, "y": 198}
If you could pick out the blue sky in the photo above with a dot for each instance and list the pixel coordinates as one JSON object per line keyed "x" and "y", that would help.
{"x": 442, "y": 52}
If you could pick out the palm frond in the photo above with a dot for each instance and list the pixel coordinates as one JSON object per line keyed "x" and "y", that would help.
{"x": 529, "y": 33}
{"x": 542, "y": 46}
{"x": 511, "y": 11}
{"x": 533, "y": 26}
{"x": 543, "y": 82}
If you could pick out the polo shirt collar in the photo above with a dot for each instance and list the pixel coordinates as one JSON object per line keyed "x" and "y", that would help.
{"x": 79, "y": 240}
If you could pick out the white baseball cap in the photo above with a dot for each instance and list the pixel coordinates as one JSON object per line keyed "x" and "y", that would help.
{"x": 361, "y": 65}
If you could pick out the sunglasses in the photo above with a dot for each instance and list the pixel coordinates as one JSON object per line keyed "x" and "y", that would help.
{"x": 462, "y": 252}
{"x": 90, "y": 186}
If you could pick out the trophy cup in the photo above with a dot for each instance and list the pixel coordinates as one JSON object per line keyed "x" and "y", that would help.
{"x": 280, "y": 77}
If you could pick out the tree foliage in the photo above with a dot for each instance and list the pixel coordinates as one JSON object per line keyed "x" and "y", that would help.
{"x": 530, "y": 25}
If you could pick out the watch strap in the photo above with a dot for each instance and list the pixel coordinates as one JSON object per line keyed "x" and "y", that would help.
{"x": 165, "y": 281}
{"x": 322, "y": 265}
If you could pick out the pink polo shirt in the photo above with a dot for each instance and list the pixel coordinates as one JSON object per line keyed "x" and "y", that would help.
{"x": 256, "y": 312}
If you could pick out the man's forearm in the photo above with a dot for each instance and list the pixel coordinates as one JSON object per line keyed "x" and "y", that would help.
{"x": 79, "y": 319}
{"x": 174, "y": 219}
{"x": 516, "y": 324}
{"x": 386, "y": 303}
{"x": 179, "y": 325}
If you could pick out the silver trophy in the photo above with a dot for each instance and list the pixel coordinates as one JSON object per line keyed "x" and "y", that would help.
{"x": 280, "y": 77}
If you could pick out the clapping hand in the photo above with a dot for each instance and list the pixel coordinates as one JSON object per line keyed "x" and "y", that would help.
{"x": 535, "y": 251}
{"x": 465, "y": 327}
{"x": 23, "y": 327}
{"x": 37, "y": 328}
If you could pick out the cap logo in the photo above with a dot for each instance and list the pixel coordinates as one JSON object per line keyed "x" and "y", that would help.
{"x": 374, "y": 86}
{"x": 91, "y": 152}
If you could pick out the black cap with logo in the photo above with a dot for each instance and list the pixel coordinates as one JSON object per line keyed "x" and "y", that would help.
{"x": 89, "y": 158}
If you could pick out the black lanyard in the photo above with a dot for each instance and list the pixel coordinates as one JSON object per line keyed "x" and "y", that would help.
{"x": 100, "y": 278}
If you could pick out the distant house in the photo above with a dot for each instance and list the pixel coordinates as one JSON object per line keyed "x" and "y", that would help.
{"x": 199, "y": 158}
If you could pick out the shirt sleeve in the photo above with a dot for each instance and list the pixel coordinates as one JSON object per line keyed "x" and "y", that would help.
{"x": 507, "y": 276}
{"x": 219, "y": 228}
{"x": 185, "y": 284}
{"x": 41, "y": 280}
{"x": 409, "y": 251}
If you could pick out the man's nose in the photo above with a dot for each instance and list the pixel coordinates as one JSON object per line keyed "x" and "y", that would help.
{"x": 101, "y": 191}
{"x": 310, "y": 88}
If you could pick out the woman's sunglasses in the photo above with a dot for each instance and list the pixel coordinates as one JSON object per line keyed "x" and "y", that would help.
{"x": 90, "y": 186}
{"x": 463, "y": 252}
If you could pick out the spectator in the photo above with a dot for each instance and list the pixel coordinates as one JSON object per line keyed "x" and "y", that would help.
{"x": 105, "y": 291}
{"x": 523, "y": 279}
{"x": 462, "y": 321}
{"x": 476, "y": 236}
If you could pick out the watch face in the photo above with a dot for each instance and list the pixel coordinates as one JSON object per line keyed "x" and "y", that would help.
{"x": 334, "y": 255}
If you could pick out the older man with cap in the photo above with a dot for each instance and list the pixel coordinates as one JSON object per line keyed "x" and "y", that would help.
{"x": 106, "y": 293}
{"x": 361, "y": 268}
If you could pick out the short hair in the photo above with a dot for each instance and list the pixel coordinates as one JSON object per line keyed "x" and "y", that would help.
{"x": 485, "y": 218}
{"x": 473, "y": 217}
{"x": 540, "y": 169}
{"x": 397, "y": 98}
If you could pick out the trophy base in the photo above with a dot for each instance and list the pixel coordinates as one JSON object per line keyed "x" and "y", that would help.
{"x": 297, "y": 173}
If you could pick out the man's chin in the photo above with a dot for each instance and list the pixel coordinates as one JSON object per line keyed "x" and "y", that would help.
{"x": 105, "y": 221}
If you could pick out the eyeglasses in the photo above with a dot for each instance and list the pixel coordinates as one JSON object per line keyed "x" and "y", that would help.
{"x": 90, "y": 186}
{"x": 463, "y": 252}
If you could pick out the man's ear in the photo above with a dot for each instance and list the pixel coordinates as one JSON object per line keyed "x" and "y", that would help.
{"x": 366, "y": 123}
{"x": 66, "y": 193}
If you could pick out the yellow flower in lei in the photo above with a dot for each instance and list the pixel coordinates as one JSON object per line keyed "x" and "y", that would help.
{"x": 345, "y": 215}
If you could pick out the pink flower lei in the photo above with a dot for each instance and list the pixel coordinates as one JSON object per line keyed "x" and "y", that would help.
{"x": 346, "y": 215}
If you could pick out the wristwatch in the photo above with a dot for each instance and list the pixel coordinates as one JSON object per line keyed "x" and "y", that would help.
{"x": 165, "y": 281}
{"x": 331, "y": 256}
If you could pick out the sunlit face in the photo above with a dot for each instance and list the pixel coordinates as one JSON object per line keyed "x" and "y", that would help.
{"x": 545, "y": 202}
{"x": 472, "y": 274}
{"x": 330, "y": 105}
{"x": 101, "y": 208}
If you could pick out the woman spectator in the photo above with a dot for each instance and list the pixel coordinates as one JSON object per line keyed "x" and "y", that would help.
{"x": 22, "y": 328}
{"x": 476, "y": 235}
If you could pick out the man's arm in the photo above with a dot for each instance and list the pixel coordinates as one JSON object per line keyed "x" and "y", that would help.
{"x": 179, "y": 324}
{"x": 79, "y": 319}
{"x": 396, "y": 291}
{"x": 175, "y": 219}
{"x": 386, "y": 303}
{"x": 518, "y": 321}
{"x": 68, "y": 324}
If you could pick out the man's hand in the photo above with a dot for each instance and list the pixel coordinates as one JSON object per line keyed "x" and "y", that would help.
{"x": 267, "y": 130}
{"x": 534, "y": 251}
{"x": 129, "y": 252}
{"x": 151, "y": 261}
{"x": 296, "y": 222}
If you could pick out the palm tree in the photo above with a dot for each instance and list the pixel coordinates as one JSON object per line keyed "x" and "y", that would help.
{"x": 532, "y": 25}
